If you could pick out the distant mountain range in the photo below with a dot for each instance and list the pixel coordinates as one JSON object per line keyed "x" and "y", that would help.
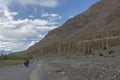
{"x": 96, "y": 28}
{"x": 5, "y": 52}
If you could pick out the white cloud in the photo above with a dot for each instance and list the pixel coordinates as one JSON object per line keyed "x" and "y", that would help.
{"x": 31, "y": 44}
{"x": 7, "y": 46}
{"x": 46, "y": 28}
{"x": 14, "y": 13}
{"x": 14, "y": 32}
{"x": 51, "y": 15}
{"x": 31, "y": 16}
{"x": 71, "y": 16}
{"x": 42, "y": 3}
{"x": 22, "y": 29}
{"x": 5, "y": 15}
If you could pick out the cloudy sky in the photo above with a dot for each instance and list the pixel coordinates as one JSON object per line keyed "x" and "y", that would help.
{"x": 25, "y": 22}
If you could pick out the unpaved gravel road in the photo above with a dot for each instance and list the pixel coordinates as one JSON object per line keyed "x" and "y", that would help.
{"x": 19, "y": 72}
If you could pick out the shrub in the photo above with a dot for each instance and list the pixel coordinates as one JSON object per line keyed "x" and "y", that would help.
{"x": 3, "y": 57}
{"x": 10, "y": 57}
{"x": 100, "y": 54}
{"x": 30, "y": 57}
{"x": 110, "y": 52}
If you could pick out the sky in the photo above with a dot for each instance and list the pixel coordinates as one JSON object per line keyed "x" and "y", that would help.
{"x": 25, "y": 22}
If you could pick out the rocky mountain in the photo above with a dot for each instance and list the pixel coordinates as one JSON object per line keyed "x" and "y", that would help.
{"x": 96, "y": 28}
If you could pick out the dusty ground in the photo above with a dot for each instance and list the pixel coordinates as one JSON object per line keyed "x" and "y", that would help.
{"x": 100, "y": 65}
{"x": 87, "y": 69}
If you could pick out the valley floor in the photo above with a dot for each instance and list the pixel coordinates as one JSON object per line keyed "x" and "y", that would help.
{"x": 99, "y": 68}
{"x": 68, "y": 67}
{"x": 82, "y": 69}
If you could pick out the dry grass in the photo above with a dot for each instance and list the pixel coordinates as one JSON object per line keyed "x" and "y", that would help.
{"x": 10, "y": 62}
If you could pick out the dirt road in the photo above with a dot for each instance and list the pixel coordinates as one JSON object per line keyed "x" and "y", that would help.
{"x": 19, "y": 72}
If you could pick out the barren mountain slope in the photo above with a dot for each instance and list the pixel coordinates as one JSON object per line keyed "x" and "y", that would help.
{"x": 96, "y": 28}
{"x": 102, "y": 17}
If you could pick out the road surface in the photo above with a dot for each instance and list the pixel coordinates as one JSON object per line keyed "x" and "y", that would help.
{"x": 19, "y": 72}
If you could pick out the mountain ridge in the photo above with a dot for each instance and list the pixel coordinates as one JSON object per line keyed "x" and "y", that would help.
{"x": 100, "y": 21}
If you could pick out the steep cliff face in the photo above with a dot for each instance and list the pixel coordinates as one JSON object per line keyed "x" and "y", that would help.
{"x": 96, "y": 28}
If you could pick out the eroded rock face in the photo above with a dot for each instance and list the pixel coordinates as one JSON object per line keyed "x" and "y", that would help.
{"x": 107, "y": 40}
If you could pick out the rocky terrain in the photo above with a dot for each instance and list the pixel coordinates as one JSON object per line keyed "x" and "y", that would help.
{"x": 103, "y": 65}
{"x": 82, "y": 69}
